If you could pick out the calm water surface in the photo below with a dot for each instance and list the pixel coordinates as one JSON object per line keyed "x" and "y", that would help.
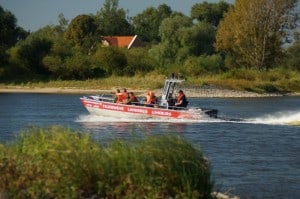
{"x": 253, "y": 149}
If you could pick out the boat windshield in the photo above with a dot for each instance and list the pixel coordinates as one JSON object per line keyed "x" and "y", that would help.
{"x": 168, "y": 90}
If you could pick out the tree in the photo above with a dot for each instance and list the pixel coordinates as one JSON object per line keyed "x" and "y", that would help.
{"x": 111, "y": 20}
{"x": 292, "y": 56}
{"x": 203, "y": 64}
{"x": 33, "y": 52}
{"x": 55, "y": 60}
{"x": 209, "y": 12}
{"x": 170, "y": 49}
{"x": 16, "y": 66}
{"x": 146, "y": 24}
{"x": 198, "y": 39}
{"x": 253, "y": 31}
{"x": 111, "y": 59}
{"x": 49, "y": 32}
{"x": 63, "y": 22}
{"x": 10, "y": 33}
{"x": 139, "y": 61}
{"x": 39, "y": 44}
{"x": 77, "y": 66}
{"x": 180, "y": 38}
{"x": 82, "y": 31}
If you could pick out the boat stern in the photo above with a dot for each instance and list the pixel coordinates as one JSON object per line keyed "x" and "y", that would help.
{"x": 211, "y": 112}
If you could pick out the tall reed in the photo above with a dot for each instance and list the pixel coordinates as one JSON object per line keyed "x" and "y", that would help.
{"x": 56, "y": 162}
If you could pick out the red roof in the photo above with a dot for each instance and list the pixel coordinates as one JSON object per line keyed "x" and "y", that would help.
{"x": 120, "y": 41}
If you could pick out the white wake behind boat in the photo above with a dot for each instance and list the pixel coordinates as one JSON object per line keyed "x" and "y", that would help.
{"x": 104, "y": 105}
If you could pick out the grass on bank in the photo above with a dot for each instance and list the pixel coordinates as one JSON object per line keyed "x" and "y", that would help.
{"x": 56, "y": 162}
{"x": 273, "y": 81}
{"x": 151, "y": 81}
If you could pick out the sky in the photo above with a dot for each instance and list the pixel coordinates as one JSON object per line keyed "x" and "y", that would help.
{"x": 35, "y": 14}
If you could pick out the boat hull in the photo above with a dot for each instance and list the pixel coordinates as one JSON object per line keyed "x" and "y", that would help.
{"x": 103, "y": 108}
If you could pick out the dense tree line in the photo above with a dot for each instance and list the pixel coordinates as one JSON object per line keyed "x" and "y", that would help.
{"x": 216, "y": 37}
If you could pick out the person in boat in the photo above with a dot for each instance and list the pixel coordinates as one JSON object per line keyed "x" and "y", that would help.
{"x": 151, "y": 98}
{"x": 121, "y": 97}
{"x": 181, "y": 100}
{"x": 125, "y": 96}
{"x": 118, "y": 96}
{"x": 132, "y": 98}
{"x": 171, "y": 101}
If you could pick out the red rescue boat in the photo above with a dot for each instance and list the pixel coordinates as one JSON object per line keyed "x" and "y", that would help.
{"x": 104, "y": 105}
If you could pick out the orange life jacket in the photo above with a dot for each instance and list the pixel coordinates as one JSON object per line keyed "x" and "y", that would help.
{"x": 119, "y": 97}
{"x": 151, "y": 99}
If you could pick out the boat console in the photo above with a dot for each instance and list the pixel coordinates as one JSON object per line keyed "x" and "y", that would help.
{"x": 168, "y": 91}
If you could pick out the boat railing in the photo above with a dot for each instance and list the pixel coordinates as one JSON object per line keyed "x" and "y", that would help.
{"x": 110, "y": 98}
{"x": 157, "y": 106}
{"x": 106, "y": 98}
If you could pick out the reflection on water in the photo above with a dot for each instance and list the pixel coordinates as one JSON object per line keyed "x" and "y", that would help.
{"x": 104, "y": 130}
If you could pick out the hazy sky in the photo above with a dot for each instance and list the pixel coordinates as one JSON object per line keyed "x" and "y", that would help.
{"x": 35, "y": 14}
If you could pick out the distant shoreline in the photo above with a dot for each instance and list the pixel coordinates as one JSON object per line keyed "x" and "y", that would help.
{"x": 190, "y": 92}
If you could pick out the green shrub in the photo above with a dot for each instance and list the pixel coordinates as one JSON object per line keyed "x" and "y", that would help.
{"x": 245, "y": 74}
{"x": 205, "y": 64}
{"x": 269, "y": 88}
{"x": 59, "y": 163}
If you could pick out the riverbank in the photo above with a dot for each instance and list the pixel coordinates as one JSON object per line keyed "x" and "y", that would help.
{"x": 189, "y": 91}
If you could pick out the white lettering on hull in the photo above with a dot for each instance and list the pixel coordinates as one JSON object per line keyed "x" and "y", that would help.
{"x": 163, "y": 113}
{"x": 110, "y": 107}
{"x": 128, "y": 109}
{"x": 137, "y": 110}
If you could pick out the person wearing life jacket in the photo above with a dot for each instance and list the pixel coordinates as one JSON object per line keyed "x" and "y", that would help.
{"x": 118, "y": 96}
{"x": 132, "y": 98}
{"x": 151, "y": 98}
{"x": 181, "y": 100}
{"x": 124, "y": 96}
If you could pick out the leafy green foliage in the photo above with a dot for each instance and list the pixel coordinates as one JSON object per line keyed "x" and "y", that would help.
{"x": 77, "y": 67}
{"x": 253, "y": 32}
{"x": 170, "y": 32}
{"x": 16, "y": 66}
{"x": 10, "y": 34}
{"x": 209, "y": 12}
{"x": 181, "y": 39}
{"x": 195, "y": 66}
{"x": 111, "y": 59}
{"x": 81, "y": 30}
{"x": 292, "y": 56}
{"x": 198, "y": 39}
{"x": 138, "y": 62}
{"x": 147, "y": 23}
{"x": 63, "y": 22}
{"x": 59, "y": 163}
{"x": 33, "y": 52}
{"x": 111, "y": 20}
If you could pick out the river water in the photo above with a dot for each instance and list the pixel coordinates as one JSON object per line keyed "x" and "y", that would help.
{"x": 253, "y": 147}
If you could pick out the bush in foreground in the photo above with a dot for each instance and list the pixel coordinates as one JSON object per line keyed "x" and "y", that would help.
{"x": 58, "y": 163}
